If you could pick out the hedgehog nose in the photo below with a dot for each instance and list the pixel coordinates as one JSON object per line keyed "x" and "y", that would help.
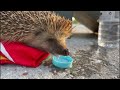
{"x": 66, "y": 52}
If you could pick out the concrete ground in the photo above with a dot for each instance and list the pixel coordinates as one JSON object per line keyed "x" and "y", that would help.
{"x": 90, "y": 61}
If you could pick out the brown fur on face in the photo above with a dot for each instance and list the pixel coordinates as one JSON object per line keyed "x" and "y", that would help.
{"x": 40, "y": 29}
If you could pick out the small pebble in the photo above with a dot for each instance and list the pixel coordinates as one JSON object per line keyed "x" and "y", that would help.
{"x": 26, "y": 73}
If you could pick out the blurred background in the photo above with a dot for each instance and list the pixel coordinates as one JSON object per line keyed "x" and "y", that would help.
{"x": 86, "y": 18}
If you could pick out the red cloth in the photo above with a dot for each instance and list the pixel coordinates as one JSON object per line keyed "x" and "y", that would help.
{"x": 22, "y": 54}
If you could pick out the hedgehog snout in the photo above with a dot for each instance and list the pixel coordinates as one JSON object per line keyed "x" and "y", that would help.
{"x": 65, "y": 52}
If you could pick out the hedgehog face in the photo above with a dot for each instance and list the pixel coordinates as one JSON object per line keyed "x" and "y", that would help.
{"x": 55, "y": 43}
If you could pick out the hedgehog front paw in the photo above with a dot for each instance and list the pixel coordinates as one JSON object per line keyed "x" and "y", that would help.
{"x": 48, "y": 61}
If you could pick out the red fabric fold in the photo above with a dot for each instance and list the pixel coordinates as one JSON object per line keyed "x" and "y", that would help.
{"x": 23, "y": 55}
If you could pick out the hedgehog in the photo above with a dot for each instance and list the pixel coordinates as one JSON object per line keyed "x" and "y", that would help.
{"x": 43, "y": 30}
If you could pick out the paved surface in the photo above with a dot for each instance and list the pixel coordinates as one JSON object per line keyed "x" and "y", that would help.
{"x": 90, "y": 62}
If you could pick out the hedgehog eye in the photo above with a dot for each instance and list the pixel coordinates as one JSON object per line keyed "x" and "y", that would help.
{"x": 37, "y": 33}
{"x": 51, "y": 40}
